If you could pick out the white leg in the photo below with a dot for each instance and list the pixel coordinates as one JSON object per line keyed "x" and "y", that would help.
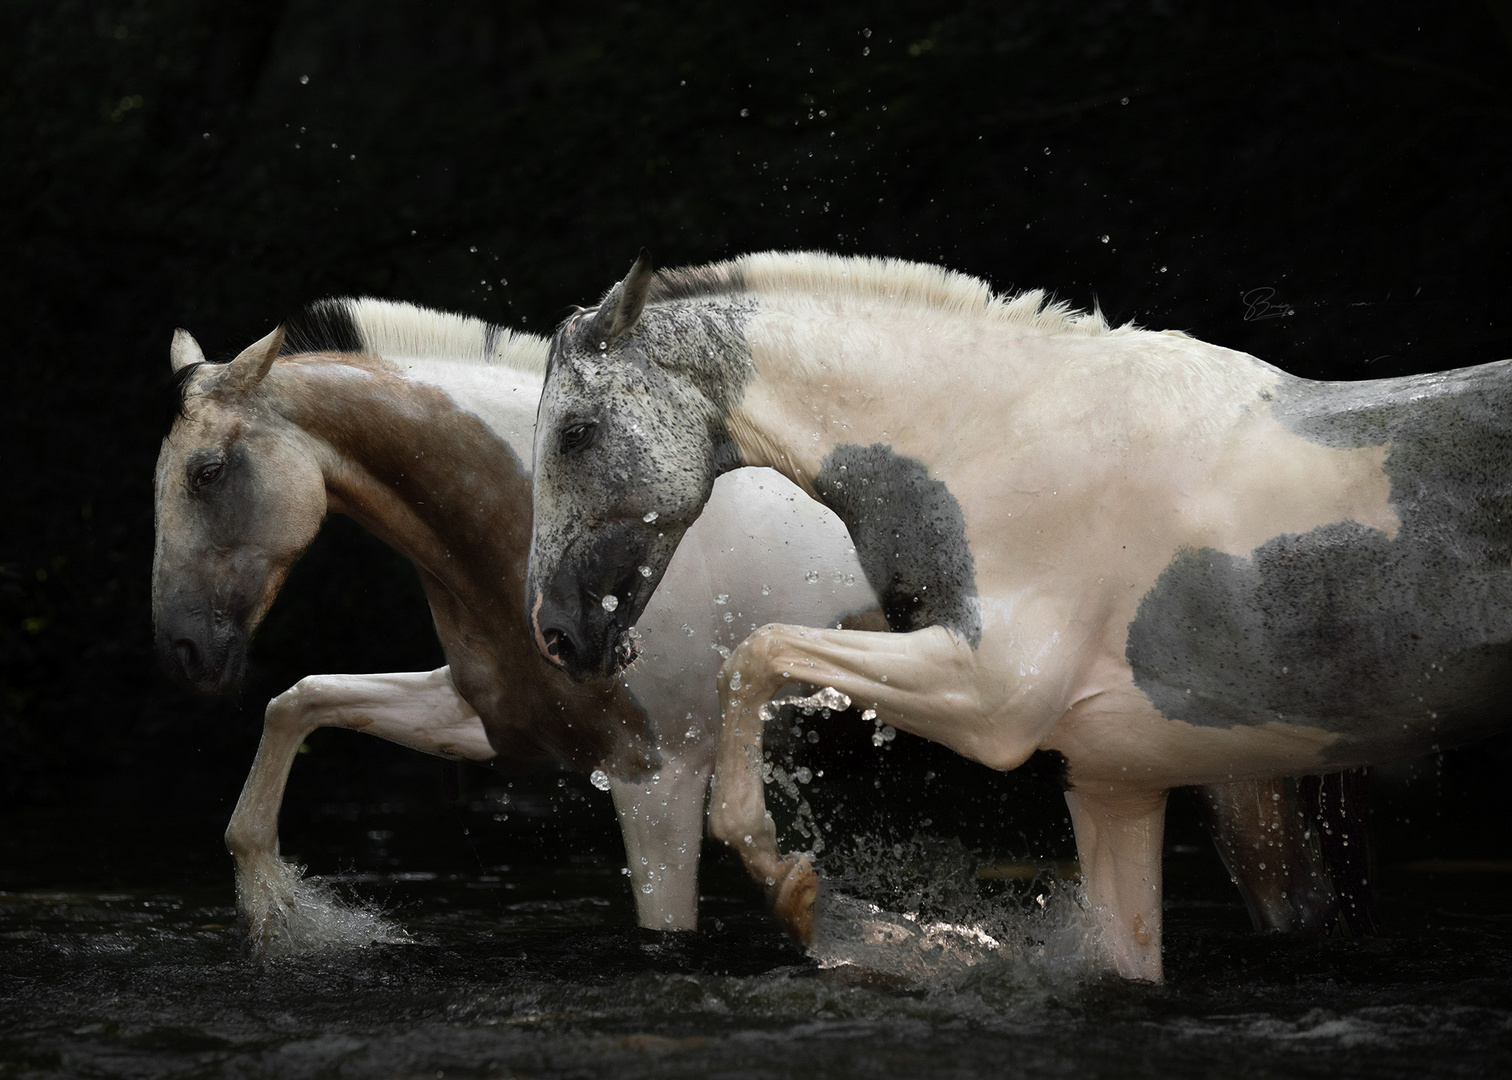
{"x": 1118, "y": 840}
{"x": 421, "y": 710}
{"x": 662, "y": 823}
{"x": 923, "y": 682}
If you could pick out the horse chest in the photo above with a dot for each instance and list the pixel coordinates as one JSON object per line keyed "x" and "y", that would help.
{"x": 910, "y": 537}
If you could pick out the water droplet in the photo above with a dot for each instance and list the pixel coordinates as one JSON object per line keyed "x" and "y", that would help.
{"x": 1103, "y": 238}
{"x": 869, "y": 715}
{"x": 610, "y": 602}
{"x": 735, "y": 680}
{"x": 648, "y": 888}
{"x": 645, "y": 571}
{"x": 802, "y": 774}
{"x": 599, "y": 779}
{"x": 722, "y": 598}
{"x": 304, "y": 80}
{"x": 766, "y": 590}
{"x": 651, "y": 515}
{"x": 812, "y": 577}
{"x": 745, "y": 112}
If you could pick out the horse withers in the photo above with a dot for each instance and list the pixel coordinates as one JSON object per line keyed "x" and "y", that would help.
{"x": 1170, "y": 562}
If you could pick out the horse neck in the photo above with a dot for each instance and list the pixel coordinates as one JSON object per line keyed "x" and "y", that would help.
{"x": 432, "y": 480}
{"x": 827, "y": 377}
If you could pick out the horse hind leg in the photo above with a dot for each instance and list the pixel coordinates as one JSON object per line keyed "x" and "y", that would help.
{"x": 421, "y": 710}
{"x": 1285, "y": 844}
{"x": 1272, "y": 854}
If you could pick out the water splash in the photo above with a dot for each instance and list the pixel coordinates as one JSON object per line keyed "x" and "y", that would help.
{"x": 918, "y": 912}
{"x": 286, "y": 914}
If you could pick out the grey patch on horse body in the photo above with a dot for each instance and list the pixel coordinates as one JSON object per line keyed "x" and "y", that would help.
{"x": 910, "y": 537}
{"x": 1343, "y": 628}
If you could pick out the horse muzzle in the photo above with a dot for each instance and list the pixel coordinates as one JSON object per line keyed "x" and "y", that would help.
{"x": 208, "y": 658}
{"x": 577, "y": 630}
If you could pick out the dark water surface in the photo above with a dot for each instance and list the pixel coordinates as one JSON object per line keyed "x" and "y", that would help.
{"x": 535, "y": 969}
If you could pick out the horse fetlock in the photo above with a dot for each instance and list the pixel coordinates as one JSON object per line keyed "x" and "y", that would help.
{"x": 265, "y": 895}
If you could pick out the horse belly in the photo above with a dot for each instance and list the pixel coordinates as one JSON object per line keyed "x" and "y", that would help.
{"x": 1388, "y": 646}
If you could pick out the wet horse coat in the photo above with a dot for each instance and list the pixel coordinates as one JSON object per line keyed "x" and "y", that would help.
{"x": 1170, "y": 562}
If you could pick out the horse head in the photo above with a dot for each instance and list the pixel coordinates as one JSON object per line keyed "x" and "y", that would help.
{"x": 237, "y": 499}
{"x": 627, "y": 448}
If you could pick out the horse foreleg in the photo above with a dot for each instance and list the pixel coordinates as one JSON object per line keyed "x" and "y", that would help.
{"x": 662, "y": 822}
{"x": 421, "y": 710}
{"x": 1118, "y": 840}
{"x": 921, "y": 682}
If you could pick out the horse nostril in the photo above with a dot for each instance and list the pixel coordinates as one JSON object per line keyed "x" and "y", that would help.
{"x": 559, "y": 646}
{"x": 186, "y": 656}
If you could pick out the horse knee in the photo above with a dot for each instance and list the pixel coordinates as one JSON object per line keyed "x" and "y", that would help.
{"x": 758, "y": 656}
{"x": 297, "y": 702}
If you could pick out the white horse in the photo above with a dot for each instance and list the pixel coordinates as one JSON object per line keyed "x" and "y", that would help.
{"x": 1170, "y": 562}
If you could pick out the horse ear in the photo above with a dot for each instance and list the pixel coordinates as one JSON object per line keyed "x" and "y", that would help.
{"x": 184, "y": 351}
{"x": 622, "y": 305}
{"x": 253, "y": 362}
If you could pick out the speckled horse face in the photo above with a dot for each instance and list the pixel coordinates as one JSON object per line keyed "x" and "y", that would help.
{"x": 626, "y": 454}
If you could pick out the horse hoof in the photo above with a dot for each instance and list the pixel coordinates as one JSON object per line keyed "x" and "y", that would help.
{"x": 791, "y": 899}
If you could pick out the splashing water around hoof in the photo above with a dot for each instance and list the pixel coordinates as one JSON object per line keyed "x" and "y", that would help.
{"x": 937, "y": 936}
{"x": 284, "y": 914}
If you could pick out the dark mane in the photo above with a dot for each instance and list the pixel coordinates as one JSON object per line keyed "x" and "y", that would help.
{"x": 684, "y": 283}
{"x": 177, "y": 391}
{"x": 324, "y": 326}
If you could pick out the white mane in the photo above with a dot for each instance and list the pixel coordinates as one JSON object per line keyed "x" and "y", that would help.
{"x": 823, "y": 276}
{"x": 396, "y": 330}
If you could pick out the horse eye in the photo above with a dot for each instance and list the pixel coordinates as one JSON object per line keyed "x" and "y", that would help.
{"x": 207, "y": 474}
{"x": 577, "y": 436}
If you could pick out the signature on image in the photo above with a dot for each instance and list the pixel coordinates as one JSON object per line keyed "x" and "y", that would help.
{"x": 1261, "y": 304}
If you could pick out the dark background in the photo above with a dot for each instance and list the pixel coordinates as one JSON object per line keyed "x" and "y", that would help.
{"x": 1328, "y": 191}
